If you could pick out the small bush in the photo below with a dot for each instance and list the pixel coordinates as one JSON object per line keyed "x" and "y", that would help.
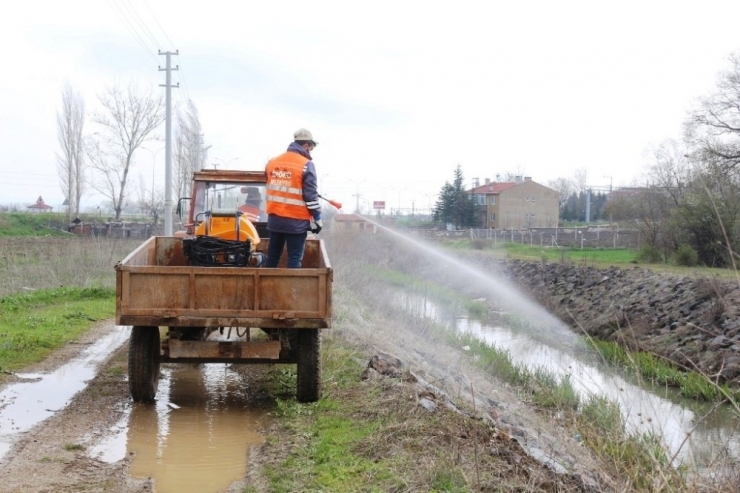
{"x": 686, "y": 256}
{"x": 650, "y": 254}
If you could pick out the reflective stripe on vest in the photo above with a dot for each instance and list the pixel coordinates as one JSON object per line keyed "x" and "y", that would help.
{"x": 285, "y": 186}
{"x": 281, "y": 188}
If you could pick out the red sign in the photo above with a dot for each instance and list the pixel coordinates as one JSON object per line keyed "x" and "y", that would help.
{"x": 379, "y": 204}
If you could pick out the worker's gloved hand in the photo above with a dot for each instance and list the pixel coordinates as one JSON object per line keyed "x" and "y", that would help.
{"x": 316, "y": 226}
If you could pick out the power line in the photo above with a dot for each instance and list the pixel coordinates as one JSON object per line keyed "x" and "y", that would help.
{"x": 32, "y": 184}
{"x": 131, "y": 19}
{"x": 158, "y": 24}
{"x": 23, "y": 173}
{"x": 184, "y": 99}
{"x": 172, "y": 43}
{"x": 182, "y": 76}
{"x": 142, "y": 24}
{"x": 132, "y": 30}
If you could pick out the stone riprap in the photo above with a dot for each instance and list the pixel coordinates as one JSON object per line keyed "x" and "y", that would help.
{"x": 694, "y": 322}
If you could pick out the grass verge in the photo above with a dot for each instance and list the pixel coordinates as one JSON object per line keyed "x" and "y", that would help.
{"x": 25, "y": 224}
{"x": 371, "y": 435}
{"x": 34, "y": 324}
{"x": 640, "y": 460}
{"x": 592, "y": 257}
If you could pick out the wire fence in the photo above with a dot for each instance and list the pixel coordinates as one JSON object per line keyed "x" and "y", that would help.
{"x": 580, "y": 237}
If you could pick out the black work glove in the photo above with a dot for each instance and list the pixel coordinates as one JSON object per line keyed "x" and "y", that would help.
{"x": 316, "y": 226}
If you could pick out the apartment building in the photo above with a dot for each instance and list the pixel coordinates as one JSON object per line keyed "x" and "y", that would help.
{"x": 518, "y": 204}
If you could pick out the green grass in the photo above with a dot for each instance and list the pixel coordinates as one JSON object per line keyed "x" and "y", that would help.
{"x": 541, "y": 386}
{"x": 640, "y": 460}
{"x": 34, "y": 324}
{"x": 535, "y": 253}
{"x": 661, "y": 372}
{"x": 330, "y": 437}
{"x": 372, "y": 436}
{"x": 592, "y": 257}
{"x": 601, "y": 256}
{"x": 27, "y": 224}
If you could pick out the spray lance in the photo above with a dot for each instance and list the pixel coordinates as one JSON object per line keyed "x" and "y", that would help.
{"x": 316, "y": 226}
{"x": 336, "y": 204}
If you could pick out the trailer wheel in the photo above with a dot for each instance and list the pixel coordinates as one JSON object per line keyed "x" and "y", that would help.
{"x": 309, "y": 365}
{"x": 143, "y": 363}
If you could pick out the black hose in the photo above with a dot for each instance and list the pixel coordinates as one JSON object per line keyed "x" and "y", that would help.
{"x": 207, "y": 251}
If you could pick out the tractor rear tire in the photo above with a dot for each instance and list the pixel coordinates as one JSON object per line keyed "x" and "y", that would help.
{"x": 143, "y": 363}
{"x": 309, "y": 365}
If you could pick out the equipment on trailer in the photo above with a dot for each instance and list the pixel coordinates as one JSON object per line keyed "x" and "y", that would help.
{"x": 176, "y": 291}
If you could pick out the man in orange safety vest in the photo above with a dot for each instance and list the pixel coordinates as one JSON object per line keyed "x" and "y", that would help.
{"x": 293, "y": 206}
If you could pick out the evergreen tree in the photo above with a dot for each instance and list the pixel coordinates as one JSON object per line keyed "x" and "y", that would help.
{"x": 454, "y": 204}
{"x": 443, "y": 209}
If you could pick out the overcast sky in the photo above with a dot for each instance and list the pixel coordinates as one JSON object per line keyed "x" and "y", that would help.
{"x": 398, "y": 93}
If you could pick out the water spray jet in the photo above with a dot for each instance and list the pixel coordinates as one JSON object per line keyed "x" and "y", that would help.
{"x": 507, "y": 295}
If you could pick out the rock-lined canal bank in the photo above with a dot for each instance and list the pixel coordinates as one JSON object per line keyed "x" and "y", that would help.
{"x": 694, "y": 322}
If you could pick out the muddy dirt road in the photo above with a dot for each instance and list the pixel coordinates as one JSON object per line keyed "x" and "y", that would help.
{"x": 68, "y": 425}
{"x": 53, "y": 454}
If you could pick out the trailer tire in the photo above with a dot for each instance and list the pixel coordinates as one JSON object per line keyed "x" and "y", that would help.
{"x": 309, "y": 365}
{"x": 143, "y": 363}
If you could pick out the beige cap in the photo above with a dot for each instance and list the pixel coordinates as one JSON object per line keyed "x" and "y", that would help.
{"x": 303, "y": 134}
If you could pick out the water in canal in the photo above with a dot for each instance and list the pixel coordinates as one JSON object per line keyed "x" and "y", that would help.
{"x": 696, "y": 433}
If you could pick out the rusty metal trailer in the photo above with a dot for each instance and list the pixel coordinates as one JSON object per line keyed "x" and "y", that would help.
{"x": 173, "y": 306}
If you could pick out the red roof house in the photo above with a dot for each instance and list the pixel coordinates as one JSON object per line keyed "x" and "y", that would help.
{"x": 39, "y": 206}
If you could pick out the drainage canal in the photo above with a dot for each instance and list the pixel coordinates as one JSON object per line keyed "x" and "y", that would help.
{"x": 696, "y": 433}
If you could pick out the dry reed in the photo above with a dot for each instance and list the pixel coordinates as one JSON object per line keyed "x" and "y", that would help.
{"x": 31, "y": 262}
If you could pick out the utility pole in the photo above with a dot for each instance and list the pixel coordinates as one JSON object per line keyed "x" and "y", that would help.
{"x": 168, "y": 139}
{"x": 357, "y": 195}
{"x": 199, "y": 161}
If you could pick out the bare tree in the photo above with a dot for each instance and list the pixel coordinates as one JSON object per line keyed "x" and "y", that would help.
{"x": 671, "y": 169}
{"x": 580, "y": 179}
{"x": 130, "y": 116}
{"x": 71, "y": 158}
{"x": 564, "y": 187}
{"x": 510, "y": 175}
{"x": 150, "y": 201}
{"x": 190, "y": 153}
{"x": 714, "y": 126}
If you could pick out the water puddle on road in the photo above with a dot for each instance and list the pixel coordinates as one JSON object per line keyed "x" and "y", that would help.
{"x": 197, "y": 435}
{"x": 25, "y": 404}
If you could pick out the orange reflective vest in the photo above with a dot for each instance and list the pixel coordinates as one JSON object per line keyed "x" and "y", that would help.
{"x": 285, "y": 186}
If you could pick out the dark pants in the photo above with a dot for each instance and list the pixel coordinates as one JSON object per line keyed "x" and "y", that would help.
{"x": 295, "y": 243}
